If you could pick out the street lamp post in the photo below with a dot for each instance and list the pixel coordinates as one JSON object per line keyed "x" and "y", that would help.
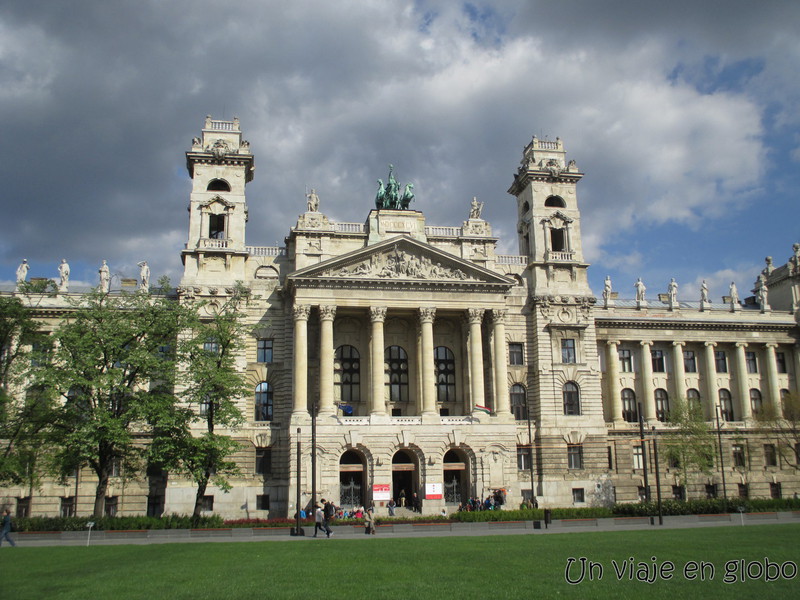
{"x": 530, "y": 450}
{"x": 297, "y": 530}
{"x": 717, "y": 410}
{"x": 314, "y": 410}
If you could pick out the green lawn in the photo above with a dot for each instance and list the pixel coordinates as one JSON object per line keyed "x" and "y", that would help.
{"x": 492, "y": 567}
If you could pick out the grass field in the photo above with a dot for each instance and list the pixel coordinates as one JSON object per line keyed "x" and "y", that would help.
{"x": 491, "y": 567}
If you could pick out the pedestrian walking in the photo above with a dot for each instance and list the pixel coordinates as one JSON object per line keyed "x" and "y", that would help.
{"x": 328, "y": 513}
{"x": 369, "y": 522}
{"x": 5, "y": 533}
{"x": 318, "y": 518}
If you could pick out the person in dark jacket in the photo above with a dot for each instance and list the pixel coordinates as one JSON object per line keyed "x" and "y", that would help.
{"x": 5, "y": 533}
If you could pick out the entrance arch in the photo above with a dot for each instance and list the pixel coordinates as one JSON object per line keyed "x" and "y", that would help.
{"x": 455, "y": 473}
{"x": 352, "y": 479}
{"x": 405, "y": 477}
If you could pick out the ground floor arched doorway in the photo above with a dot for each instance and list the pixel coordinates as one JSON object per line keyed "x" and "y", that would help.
{"x": 352, "y": 479}
{"x": 405, "y": 478}
{"x": 456, "y": 477}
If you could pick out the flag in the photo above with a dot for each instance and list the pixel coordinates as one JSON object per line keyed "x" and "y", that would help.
{"x": 484, "y": 409}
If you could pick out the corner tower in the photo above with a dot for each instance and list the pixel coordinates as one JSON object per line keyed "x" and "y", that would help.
{"x": 220, "y": 165}
{"x": 548, "y": 219}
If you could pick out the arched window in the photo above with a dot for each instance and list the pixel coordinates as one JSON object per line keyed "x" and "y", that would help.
{"x": 396, "y": 365}
{"x": 693, "y": 400}
{"x": 755, "y": 401}
{"x": 347, "y": 374}
{"x": 662, "y": 405}
{"x": 572, "y": 398}
{"x": 519, "y": 404}
{"x": 725, "y": 405}
{"x": 445, "y": 374}
{"x": 555, "y": 202}
{"x": 263, "y": 402}
{"x": 218, "y": 185}
{"x": 630, "y": 411}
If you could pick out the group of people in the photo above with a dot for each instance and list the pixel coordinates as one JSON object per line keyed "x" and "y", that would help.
{"x": 325, "y": 512}
{"x": 493, "y": 501}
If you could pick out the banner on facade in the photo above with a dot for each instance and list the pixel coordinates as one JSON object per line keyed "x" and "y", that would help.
{"x": 433, "y": 491}
{"x": 381, "y": 492}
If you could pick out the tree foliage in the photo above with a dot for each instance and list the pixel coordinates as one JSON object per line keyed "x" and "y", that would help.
{"x": 194, "y": 440}
{"x": 114, "y": 368}
{"x": 783, "y": 428}
{"x": 691, "y": 444}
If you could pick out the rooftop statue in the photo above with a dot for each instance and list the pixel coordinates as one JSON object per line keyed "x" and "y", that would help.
{"x": 389, "y": 197}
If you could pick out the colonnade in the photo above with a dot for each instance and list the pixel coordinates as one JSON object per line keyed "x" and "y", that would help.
{"x": 706, "y": 367}
{"x": 376, "y": 385}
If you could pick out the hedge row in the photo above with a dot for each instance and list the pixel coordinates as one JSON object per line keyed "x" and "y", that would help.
{"x": 706, "y": 507}
{"x": 116, "y": 523}
{"x": 532, "y": 514}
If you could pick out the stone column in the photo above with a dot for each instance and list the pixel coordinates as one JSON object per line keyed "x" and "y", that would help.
{"x": 300, "y": 361}
{"x": 678, "y": 372}
{"x": 326, "y": 316}
{"x": 475, "y": 316}
{"x": 426, "y": 317}
{"x": 648, "y": 392}
{"x": 740, "y": 365}
{"x": 614, "y": 389}
{"x": 712, "y": 392}
{"x": 377, "y": 404}
{"x": 773, "y": 388}
{"x": 502, "y": 405}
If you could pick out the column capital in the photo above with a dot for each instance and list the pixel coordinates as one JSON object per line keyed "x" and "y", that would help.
{"x": 772, "y": 345}
{"x": 327, "y": 312}
{"x": 710, "y": 344}
{"x": 427, "y": 314}
{"x": 499, "y": 315}
{"x": 681, "y": 344}
{"x": 300, "y": 312}
{"x": 475, "y": 315}
{"x": 377, "y": 313}
{"x": 740, "y": 344}
{"x": 644, "y": 343}
{"x": 612, "y": 343}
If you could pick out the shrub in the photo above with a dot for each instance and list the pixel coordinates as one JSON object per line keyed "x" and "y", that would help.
{"x": 116, "y": 523}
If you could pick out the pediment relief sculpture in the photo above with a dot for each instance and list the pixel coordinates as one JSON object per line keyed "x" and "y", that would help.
{"x": 399, "y": 264}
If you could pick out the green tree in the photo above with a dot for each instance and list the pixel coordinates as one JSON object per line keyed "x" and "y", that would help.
{"x": 783, "y": 428}
{"x": 193, "y": 439}
{"x": 25, "y": 411}
{"x": 114, "y": 366}
{"x": 691, "y": 444}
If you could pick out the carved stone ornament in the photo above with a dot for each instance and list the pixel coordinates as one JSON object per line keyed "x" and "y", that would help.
{"x": 327, "y": 313}
{"x": 499, "y": 316}
{"x": 399, "y": 264}
{"x": 219, "y": 149}
{"x": 300, "y": 312}
{"x": 377, "y": 313}
{"x": 427, "y": 314}
{"x": 475, "y": 315}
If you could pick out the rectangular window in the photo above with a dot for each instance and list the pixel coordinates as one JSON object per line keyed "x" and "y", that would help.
{"x": 578, "y": 495}
{"x": 264, "y": 461}
{"x": 738, "y": 455}
{"x": 750, "y": 362}
{"x": 262, "y": 502}
{"x": 711, "y": 490}
{"x": 775, "y": 490}
{"x": 208, "y": 503}
{"x": 689, "y": 361}
{"x": 211, "y": 345}
{"x": 216, "y": 227}
{"x": 720, "y": 361}
{"x": 568, "y": 351}
{"x": 638, "y": 457}
{"x": 770, "y": 456}
{"x": 112, "y": 502}
{"x": 23, "y": 507}
{"x": 744, "y": 490}
{"x": 575, "y": 456}
{"x": 67, "y": 507}
{"x": 610, "y": 458}
{"x": 515, "y": 354}
{"x": 264, "y": 353}
{"x": 780, "y": 362}
{"x": 625, "y": 361}
{"x": 678, "y": 492}
{"x": 523, "y": 458}
{"x": 659, "y": 364}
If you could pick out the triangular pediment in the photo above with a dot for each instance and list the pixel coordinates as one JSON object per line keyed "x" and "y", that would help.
{"x": 401, "y": 260}
{"x": 217, "y": 200}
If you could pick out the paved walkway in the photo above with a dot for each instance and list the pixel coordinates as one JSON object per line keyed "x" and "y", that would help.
{"x": 173, "y": 536}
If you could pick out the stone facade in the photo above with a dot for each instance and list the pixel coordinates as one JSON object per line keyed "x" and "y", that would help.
{"x": 428, "y": 363}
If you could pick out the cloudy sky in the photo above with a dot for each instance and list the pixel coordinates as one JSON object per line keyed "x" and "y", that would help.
{"x": 683, "y": 116}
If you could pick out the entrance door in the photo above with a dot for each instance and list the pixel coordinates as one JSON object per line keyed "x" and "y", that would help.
{"x": 404, "y": 478}
{"x": 456, "y": 477}
{"x": 351, "y": 480}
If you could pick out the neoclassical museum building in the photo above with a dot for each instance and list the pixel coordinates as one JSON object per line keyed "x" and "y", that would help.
{"x": 427, "y": 363}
